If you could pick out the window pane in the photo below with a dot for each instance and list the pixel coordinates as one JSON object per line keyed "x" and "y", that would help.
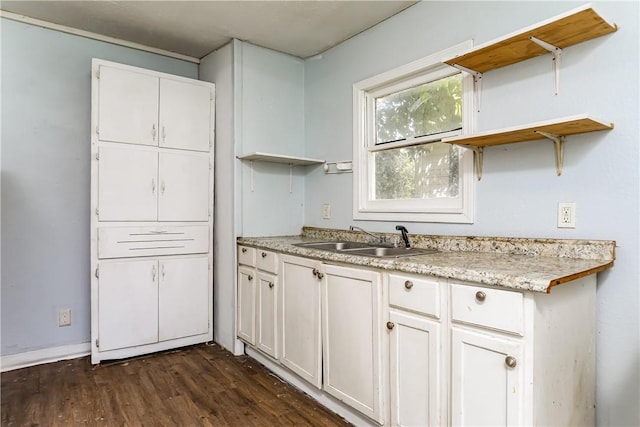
{"x": 427, "y": 109}
{"x": 417, "y": 172}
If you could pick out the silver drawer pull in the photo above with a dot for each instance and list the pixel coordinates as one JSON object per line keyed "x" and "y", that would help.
{"x": 408, "y": 284}
{"x": 270, "y": 285}
{"x": 510, "y": 361}
{"x": 264, "y": 254}
{"x": 244, "y": 250}
{"x": 250, "y": 277}
{"x": 480, "y": 296}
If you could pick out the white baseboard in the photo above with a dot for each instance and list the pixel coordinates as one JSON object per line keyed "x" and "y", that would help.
{"x": 46, "y": 355}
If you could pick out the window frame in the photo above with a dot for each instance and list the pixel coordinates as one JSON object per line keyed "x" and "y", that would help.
{"x": 365, "y": 92}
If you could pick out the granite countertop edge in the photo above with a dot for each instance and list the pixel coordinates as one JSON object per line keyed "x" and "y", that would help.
{"x": 521, "y": 270}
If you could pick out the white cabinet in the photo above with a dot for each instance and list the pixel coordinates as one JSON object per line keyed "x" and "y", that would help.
{"x": 127, "y": 106}
{"x": 352, "y": 342}
{"x": 144, "y": 301}
{"x": 300, "y": 317}
{"x": 266, "y": 315}
{"x": 128, "y": 304}
{"x": 415, "y": 347}
{"x": 486, "y": 379}
{"x": 247, "y": 304}
{"x": 183, "y": 297}
{"x": 141, "y": 108}
{"x": 151, "y": 211}
{"x": 522, "y": 358}
{"x": 138, "y": 184}
{"x": 258, "y": 299}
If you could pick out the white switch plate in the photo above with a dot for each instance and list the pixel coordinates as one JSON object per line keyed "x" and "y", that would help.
{"x": 566, "y": 215}
{"x": 326, "y": 211}
{"x": 64, "y": 317}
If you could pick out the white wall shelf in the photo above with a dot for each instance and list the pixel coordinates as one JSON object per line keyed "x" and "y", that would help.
{"x": 555, "y": 130}
{"x": 550, "y": 36}
{"x": 278, "y": 158}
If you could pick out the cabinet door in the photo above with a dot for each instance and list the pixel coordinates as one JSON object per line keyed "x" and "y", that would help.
{"x": 185, "y": 115}
{"x": 485, "y": 391}
{"x": 127, "y": 304}
{"x": 127, "y": 106}
{"x": 301, "y": 339}
{"x": 184, "y": 187}
{"x": 352, "y": 338}
{"x": 415, "y": 370}
{"x": 127, "y": 184}
{"x": 267, "y": 306}
{"x": 247, "y": 304}
{"x": 183, "y": 297}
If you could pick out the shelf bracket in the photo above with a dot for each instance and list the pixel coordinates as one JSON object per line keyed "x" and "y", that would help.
{"x": 558, "y": 142}
{"x": 477, "y": 82}
{"x": 290, "y": 178}
{"x": 557, "y": 53}
{"x": 478, "y": 159}
{"x": 251, "y": 169}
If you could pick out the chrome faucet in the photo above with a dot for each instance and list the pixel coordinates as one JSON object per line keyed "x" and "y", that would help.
{"x": 379, "y": 238}
{"x": 405, "y": 235}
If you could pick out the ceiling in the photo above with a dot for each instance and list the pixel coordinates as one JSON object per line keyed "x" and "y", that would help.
{"x": 196, "y": 28}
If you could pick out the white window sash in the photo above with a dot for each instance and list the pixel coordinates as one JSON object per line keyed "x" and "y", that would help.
{"x": 454, "y": 210}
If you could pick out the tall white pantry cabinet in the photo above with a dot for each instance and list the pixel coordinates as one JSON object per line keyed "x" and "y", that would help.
{"x": 151, "y": 211}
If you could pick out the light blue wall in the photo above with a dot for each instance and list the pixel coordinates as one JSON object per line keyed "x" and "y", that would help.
{"x": 519, "y": 191}
{"x": 46, "y": 105}
{"x": 270, "y": 119}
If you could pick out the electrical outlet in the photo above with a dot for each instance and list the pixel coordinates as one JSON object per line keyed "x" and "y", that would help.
{"x": 64, "y": 317}
{"x": 566, "y": 215}
{"x": 326, "y": 211}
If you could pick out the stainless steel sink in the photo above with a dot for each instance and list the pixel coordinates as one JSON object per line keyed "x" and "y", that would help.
{"x": 333, "y": 246}
{"x": 365, "y": 249}
{"x": 391, "y": 252}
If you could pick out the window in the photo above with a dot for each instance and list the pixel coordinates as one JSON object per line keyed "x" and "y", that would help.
{"x": 402, "y": 171}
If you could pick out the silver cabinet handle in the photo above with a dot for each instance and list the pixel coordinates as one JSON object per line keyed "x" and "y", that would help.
{"x": 390, "y": 325}
{"x": 271, "y": 285}
{"x": 480, "y": 296}
{"x": 264, "y": 254}
{"x": 408, "y": 284}
{"x": 320, "y": 275}
{"x": 164, "y": 134}
{"x": 244, "y": 250}
{"x": 162, "y": 272}
{"x": 250, "y": 277}
{"x": 153, "y": 132}
{"x": 315, "y": 272}
{"x": 153, "y": 273}
{"x": 153, "y": 186}
{"x": 162, "y": 187}
{"x": 510, "y": 361}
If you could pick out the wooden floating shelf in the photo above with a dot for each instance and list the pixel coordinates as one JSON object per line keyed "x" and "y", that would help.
{"x": 530, "y": 132}
{"x": 562, "y": 31}
{"x": 554, "y": 130}
{"x": 277, "y": 158}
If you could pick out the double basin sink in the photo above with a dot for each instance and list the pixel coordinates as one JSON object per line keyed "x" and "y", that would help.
{"x": 365, "y": 249}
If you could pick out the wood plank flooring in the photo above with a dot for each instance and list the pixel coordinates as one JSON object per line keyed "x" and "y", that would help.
{"x": 199, "y": 386}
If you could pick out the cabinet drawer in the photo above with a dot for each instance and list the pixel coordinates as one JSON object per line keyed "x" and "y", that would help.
{"x": 267, "y": 261}
{"x": 491, "y": 308}
{"x": 415, "y": 293}
{"x": 247, "y": 256}
{"x": 125, "y": 242}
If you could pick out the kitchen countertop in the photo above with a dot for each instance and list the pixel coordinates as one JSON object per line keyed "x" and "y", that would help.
{"x": 524, "y": 264}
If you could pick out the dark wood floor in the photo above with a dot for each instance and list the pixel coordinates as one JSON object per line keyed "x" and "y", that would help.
{"x": 198, "y": 386}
